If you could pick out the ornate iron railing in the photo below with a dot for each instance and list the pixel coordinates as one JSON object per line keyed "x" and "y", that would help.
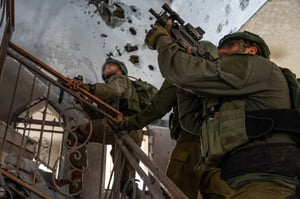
{"x": 41, "y": 132}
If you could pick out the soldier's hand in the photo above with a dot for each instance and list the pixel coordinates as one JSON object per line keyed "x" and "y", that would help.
{"x": 154, "y": 34}
{"x": 86, "y": 86}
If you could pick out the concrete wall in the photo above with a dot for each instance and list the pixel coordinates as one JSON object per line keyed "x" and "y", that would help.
{"x": 278, "y": 22}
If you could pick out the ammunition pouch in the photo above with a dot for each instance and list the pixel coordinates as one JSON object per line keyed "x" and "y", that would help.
{"x": 222, "y": 133}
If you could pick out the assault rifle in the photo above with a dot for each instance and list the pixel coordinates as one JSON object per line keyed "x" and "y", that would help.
{"x": 186, "y": 35}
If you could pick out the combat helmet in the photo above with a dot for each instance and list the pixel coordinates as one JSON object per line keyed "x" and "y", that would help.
{"x": 250, "y": 37}
{"x": 117, "y": 62}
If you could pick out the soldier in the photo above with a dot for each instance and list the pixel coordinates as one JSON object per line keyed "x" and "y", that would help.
{"x": 187, "y": 152}
{"x": 116, "y": 91}
{"x": 257, "y": 163}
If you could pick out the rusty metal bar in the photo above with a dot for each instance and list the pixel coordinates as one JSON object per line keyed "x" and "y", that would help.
{"x": 35, "y": 121}
{"x": 27, "y": 186}
{"x": 35, "y": 129}
{"x": 10, "y": 110}
{"x": 119, "y": 163}
{"x": 8, "y": 30}
{"x": 155, "y": 192}
{"x": 46, "y": 72}
{"x": 166, "y": 183}
{"x": 4, "y": 46}
{"x": 21, "y": 150}
{"x": 118, "y": 115}
{"x": 41, "y": 133}
{"x": 51, "y": 143}
{"x": 11, "y": 14}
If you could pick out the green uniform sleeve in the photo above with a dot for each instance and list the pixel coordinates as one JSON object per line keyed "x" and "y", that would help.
{"x": 239, "y": 74}
{"x": 117, "y": 86}
{"x": 161, "y": 103}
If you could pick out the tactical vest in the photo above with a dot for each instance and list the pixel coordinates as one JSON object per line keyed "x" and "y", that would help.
{"x": 230, "y": 126}
{"x": 223, "y": 130}
{"x": 142, "y": 93}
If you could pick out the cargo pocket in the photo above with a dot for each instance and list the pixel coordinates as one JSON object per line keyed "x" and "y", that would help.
{"x": 176, "y": 166}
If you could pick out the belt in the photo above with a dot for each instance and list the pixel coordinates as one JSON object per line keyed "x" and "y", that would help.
{"x": 262, "y": 122}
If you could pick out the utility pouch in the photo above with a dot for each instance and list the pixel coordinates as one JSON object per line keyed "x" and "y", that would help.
{"x": 223, "y": 132}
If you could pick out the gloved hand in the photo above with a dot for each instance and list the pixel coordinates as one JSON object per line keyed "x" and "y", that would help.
{"x": 86, "y": 86}
{"x": 154, "y": 34}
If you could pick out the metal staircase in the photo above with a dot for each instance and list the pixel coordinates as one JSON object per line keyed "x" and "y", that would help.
{"x": 35, "y": 149}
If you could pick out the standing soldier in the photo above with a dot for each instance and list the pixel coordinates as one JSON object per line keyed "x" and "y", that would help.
{"x": 117, "y": 91}
{"x": 259, "y": 162}
{"x": 187, "y": 152}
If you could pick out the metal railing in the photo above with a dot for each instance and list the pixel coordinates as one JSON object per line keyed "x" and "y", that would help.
{"x": 7, "y": 23}
{"x": 42, "y": 133}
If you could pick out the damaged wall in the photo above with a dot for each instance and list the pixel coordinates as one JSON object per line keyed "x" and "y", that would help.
{"x": 218, "y": 17}
{"x": 71, "y": 36}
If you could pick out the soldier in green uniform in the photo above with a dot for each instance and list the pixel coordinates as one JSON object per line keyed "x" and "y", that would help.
{"x": 258, "y": 163}
{"x": 117, "y": 91}
{"x": 186, "y": 154}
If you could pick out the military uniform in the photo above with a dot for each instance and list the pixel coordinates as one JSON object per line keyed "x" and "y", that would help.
{"x": 186, "y": 154}
{"x": 117, "y": 92}
{"x": 271, "y": 160}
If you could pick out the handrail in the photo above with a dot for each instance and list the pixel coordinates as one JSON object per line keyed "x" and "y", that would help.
{"x": 168, "y": 186}
{"x": 126, "y": 146}
{"x": 117, "y": 116}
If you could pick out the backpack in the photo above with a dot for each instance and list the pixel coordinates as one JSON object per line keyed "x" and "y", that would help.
{"x": 294, "y": 87}
{"x": 142, "y": 92}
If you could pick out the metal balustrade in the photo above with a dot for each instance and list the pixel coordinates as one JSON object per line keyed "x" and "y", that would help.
{"x": 39, "y": 137}
{"x": 38, "y": 134}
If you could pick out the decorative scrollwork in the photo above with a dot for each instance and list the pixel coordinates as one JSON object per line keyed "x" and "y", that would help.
{"x": 73, "y": 157}
{"x": 71, "y": 119}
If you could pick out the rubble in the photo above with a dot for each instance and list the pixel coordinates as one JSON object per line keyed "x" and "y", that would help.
{"x": 15, "y": 140}
{"x": 23, "y": 166}
{"x": 133, "y": 8}
{"x": 132, "y": 30}
{"x": 134, "y": 59}
{"x": 131, "y": 48}
{"x": 151, "y": 67}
